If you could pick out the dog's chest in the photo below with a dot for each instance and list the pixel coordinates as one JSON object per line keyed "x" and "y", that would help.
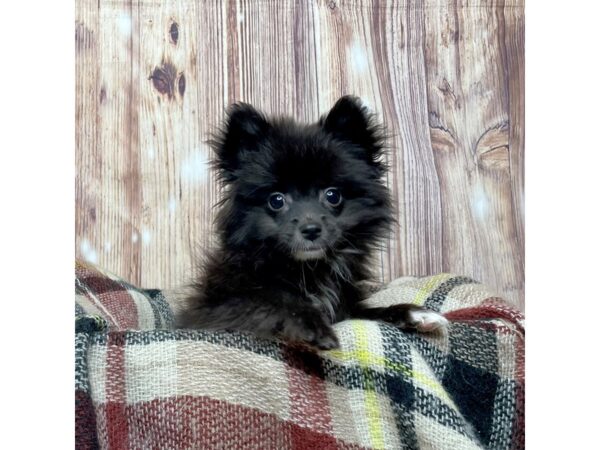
{"x": 324, "y": 293}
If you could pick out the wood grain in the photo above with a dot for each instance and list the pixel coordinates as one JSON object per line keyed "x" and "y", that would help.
{"x": 446, "y": 77}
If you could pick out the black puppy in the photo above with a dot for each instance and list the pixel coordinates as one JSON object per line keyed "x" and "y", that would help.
{"x": 303, "y": 210}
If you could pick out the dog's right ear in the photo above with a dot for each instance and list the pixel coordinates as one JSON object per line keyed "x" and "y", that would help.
{"x": 244, "y": 129}
{"x": 349, "y": 120}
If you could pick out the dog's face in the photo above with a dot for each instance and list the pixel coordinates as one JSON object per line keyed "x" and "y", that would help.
{"x": 306, "y": 191}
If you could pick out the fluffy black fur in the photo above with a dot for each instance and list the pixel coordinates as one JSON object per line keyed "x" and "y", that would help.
{"x": 291, "y": 264}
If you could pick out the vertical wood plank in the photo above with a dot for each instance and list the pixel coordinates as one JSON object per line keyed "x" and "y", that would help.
{"x": 514, "y": 62}
{"x": 118, "y": 132}
{"x": 420, "y": 232}
{"x": 87, "y": 156}
{"x": 110, "y": 159}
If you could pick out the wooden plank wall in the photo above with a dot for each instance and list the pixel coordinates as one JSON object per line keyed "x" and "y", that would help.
{"x": 446, "y": 77}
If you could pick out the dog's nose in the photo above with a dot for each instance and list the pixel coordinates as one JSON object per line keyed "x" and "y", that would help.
{"x": 311, "y": 231}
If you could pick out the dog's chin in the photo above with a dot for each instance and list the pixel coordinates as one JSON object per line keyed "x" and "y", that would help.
{"x": 309, "y": 255}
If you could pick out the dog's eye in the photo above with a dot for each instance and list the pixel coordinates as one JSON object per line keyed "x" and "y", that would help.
{"x": 333, "y": 196}
{"x": 276, "y": 201}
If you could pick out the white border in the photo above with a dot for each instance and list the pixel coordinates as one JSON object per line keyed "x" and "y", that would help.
{"x": 37, "y": 185}
{"x": 562, "y": 224}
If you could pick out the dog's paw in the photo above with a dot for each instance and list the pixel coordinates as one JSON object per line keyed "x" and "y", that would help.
{"x": 326, "y": 340}
{"x": 425, "y": 320}
{"x": 310, "y": 328}
{"x": 408, "y": 317}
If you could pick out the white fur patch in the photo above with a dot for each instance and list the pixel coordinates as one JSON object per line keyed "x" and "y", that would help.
{"x": 427, "y": 321}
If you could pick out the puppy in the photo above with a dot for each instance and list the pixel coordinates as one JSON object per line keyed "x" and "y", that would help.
{"x": 303, "y": 210}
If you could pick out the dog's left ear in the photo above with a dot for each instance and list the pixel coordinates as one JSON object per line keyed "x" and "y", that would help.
{"x": 350, "y": 120}
{"x": 243, "y": 131}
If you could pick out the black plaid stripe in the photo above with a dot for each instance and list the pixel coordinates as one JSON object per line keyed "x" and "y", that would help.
{"x": 436, "y": 358}
{"x": 81, "y": 373}
{"x": 90, "y": 324}
{"x": 231, "y": 339}
{"x": 79, "y": 311}
{"x": 404, "y": 414}
{"x": 355, "y": 377}
{"x": 400, "y": 387}
{"x": 434, "y": 408}
{"x": 504, "y": 415}
{"x": 80, "y": 288}
{"x": 473, "y": 391}
{"x": 409, "y": 399}
{"x": 163, "y": 315}
{"x": 438, "y": 296}
{"x": 475, "y": 346}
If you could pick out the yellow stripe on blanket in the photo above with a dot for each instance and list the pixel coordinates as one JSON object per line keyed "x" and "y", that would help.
{"x": 430, "y": 285}
{"x": 371, "y": 405}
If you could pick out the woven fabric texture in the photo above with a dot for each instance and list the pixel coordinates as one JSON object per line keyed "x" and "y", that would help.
{"x": 141, "y": 384}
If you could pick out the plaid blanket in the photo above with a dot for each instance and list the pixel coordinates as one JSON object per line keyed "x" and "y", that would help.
{"x": 141, "y": 384}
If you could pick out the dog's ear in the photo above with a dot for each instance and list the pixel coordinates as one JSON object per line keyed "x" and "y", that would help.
{"x": 350, "y": 120}
{"x": 244, "y": 129}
